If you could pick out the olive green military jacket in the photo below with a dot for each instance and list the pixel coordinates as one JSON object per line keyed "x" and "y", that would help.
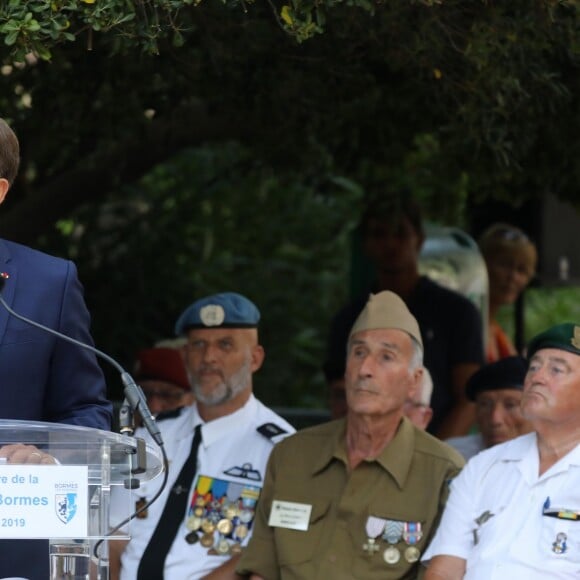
{"x": 372, "y": 522}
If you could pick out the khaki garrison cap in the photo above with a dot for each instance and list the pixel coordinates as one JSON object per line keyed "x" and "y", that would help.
{"x": 386, "y": 310}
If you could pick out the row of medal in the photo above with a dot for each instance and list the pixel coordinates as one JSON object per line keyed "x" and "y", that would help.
{"x": 221, "y": 515}
{"x": 393, "y": 532}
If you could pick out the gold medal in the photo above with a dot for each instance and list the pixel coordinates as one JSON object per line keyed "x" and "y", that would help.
{"x": 225, "y": 527}
{"x": 198, "y": 511}
{"x": 199, "y": 501}
{"x": 207, "y": 540}
{"x": 223, "y": 546}
{"x": 236, "y": 548}
{"x": 230, "y": 512}
{"x": 193, "y": 523}
{"x": 208, "y": 526}
{"x": 412, "y": 554}
{"x": 241, "y": 531}
{"x": 391, "y": 555}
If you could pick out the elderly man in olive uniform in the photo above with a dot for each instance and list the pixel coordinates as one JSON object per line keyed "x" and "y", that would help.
{"x": 358, "y": 497}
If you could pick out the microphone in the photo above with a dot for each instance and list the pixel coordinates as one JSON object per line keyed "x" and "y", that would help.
{"x": 133, "y": 393}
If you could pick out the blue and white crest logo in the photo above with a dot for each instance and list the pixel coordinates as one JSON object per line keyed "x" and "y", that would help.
{"x": 66, "y": 506}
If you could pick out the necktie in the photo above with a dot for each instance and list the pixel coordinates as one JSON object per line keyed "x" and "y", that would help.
{"x": 153, "y": 559}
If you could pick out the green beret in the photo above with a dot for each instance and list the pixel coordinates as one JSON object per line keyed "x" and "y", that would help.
{"x": 562, "y": 337}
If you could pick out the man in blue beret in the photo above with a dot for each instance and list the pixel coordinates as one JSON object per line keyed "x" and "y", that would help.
{"x": 497, "y": 390}
{"x": 514, "y": 510}
{"x": 217, "y": 449}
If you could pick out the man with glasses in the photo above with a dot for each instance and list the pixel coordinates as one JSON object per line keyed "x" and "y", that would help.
{"x": 161, "y": 374}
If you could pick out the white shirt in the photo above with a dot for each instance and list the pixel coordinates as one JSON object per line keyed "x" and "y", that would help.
{"x": 232, "y": 451}
{"x": 517, "y": 542}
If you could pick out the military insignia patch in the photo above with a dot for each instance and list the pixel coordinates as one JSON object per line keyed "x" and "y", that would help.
{"x": 270, "y": 430}
{"x": 244, "y": 471}
{"x": 575, "y": 342}
{"x": 212, "y": 315}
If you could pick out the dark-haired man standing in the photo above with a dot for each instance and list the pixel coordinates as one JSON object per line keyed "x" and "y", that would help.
{"x": 392, "y": 234}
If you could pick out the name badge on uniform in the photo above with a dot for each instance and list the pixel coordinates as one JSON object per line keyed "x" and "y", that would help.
{"x": 290, "y": 515}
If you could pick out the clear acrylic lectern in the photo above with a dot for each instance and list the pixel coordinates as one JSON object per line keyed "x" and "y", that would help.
{"x": 68, "y": 502}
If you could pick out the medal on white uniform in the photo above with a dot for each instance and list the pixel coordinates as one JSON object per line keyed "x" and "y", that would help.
{"x": 560, "y": 546}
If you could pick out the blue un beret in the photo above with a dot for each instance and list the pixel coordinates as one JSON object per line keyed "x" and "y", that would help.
{"x": 506, "y": 373}
{"x": 225, "y": 310}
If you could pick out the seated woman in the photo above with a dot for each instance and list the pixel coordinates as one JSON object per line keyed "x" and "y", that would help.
{"x": 511, "y": 259}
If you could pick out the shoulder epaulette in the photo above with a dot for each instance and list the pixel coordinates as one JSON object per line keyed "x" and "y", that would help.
{"x": 270, "y": 430}
{"x": 173, "y": 414}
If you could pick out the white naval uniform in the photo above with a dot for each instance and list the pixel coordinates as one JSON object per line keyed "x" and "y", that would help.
{"x": 517, "y": 542}
{"x": 231, "y": 443}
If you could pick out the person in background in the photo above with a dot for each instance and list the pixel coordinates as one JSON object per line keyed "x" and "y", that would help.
{"x": 514, "y": 509}
{"x": 43, "y": 378}
{"x": 418, "y": 408}
{"x": 161, "y": 374}
{"x": 217, "y": 449}
{"x": 510, "y": 257}
{"x": 392, "y": 235}
{"x": 361, "y": 496}
{"x": 496, "y": 389}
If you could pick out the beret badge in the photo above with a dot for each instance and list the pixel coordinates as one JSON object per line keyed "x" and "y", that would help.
{"x": 575, "y": 342}
{"x": 212, "y": 315}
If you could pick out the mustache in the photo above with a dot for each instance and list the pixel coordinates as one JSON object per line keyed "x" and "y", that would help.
{"x": 205, "y": 368}
{"x": 365, "y": 385}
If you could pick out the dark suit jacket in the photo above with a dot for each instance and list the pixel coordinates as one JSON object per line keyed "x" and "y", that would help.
{"x": 43, "y": 378}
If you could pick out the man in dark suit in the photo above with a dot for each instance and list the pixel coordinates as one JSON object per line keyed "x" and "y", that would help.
{"x": 42, "y": 378}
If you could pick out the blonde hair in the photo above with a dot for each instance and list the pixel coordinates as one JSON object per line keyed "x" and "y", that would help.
{"x": 500, "y": 239}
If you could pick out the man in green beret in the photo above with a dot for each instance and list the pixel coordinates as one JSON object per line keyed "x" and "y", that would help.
{"x": 514, "y": 511}
{"x": 358, "y": 497}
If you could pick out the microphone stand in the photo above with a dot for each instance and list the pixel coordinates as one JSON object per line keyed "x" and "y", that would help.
{"x": 134, "y": 395}
{"x": 134, "y": 401}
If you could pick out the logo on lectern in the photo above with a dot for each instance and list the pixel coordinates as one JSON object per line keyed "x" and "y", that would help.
{"x": 66, "y": 506}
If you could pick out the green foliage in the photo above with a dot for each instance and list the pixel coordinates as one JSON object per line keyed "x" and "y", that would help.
{"x": 452, "y": 100}
{"x": 215, "y": 219}
{"x": 544, "y": 307}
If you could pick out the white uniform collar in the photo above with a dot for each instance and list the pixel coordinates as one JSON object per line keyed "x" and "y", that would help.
{"x": 524, "y": 451}
{"x": 226, "y": 426}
